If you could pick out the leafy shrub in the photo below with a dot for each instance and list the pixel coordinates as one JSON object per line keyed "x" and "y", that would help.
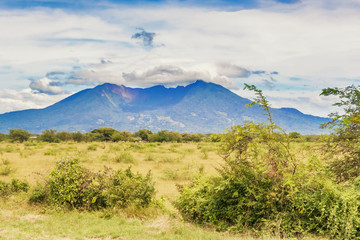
{"x": 39, "y": 194}
{"x": 3, "y": 137}
{"x": 49, "y": 135}
{"x": 4, "y": 188}
{"x": 15, "y": 186}
{"x": 343, "y": 145}
{"x": 18, "y": 185}
{"x": 19, "y": 135}
{"x": 127, "y": 188}
{"x": 262, "y": 187}
{"x": 66, "y": 182}
{"x": 72, "y": 185}
{"x": 121, "y": 136}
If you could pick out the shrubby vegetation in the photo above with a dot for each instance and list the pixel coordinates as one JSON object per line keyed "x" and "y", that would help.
{"x": 105, "y": 134}
{"x": 263, "y": 187}
{"x": 15, "y": 186}
{"x": 108, "y": 134}
{"x": 343, "y": 144}
{"x": 69, "y": 184}
{"x": 19, "y": 135}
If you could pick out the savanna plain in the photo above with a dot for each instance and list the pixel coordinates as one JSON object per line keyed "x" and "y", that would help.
{"x": 171, "y": 165}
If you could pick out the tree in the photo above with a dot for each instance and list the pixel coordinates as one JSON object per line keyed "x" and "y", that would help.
{"x": 103, "y": 134}
{"x": 3, "y": 136}
{"x": 347, "y": 124}
{"x": 343, "y": 147}
{"x": 64, "y": 136}
{"x": 294, "y": 135}
{"x": 49, "y": 135}
{"x": 121, "y": 136}
{"x": 19, "y": 135}
{"x": 77, "y": 136}
{"x": 144, "y": 134}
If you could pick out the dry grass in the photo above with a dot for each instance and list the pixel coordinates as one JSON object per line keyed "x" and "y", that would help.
{"x": 170, "y": 164}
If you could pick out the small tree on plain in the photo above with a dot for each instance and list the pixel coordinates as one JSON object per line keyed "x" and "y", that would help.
{"x": 19, "y": 135}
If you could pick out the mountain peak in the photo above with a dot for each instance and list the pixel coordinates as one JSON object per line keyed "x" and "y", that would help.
{"x": 200, "y": 107}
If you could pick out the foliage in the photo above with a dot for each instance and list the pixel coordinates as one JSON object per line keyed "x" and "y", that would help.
{"x": 102, "y": 134}
{"x": 215, "y": 137}
{"x": 197, "y": 137}
{"x": 261, "y": 100}
{"x": 64, "y": 136}
{"x": 144, "y": 134}
{"x": 15, "y": 186}
{"x": 3, "y": 137}
{"x": 72, "y": 185}
{"x": 347, "y": 124}
{"x": 77, "y": 136}
{"x": 39, "y": 194}
{"x": 127, "y": 188}
{"x": 49, "y": 135}
{"x": 165, "y": 136}
{"x": 343, "y": 146}
{"x": 294, "y": 135}
{"x": 121, "y": 136}
{"x": 263, "y": 187}
{"x": 19, "y": 135}
{"x": 66, "y": 182}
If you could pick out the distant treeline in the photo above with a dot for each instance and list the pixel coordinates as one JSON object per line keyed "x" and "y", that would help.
{"x": 108, "y": 134}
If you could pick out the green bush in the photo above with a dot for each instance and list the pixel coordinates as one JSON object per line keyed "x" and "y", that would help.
{"x": 66, "y": 182}
{"x": 263, "y": 187}
{"x": 4, "y": 188}
{"x": 39, "y": 194}
{"x": 3, "y": 137}
{"x": 49, "y": 135}
{"x": 15, "y": 186}
{"x": 18, "y": 135}
{"x": 72, "y": 185}
{"x": 18, "y": 185}
{"x": 127, "y": 188}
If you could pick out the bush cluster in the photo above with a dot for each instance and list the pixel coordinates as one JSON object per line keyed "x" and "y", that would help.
{"x": 15, "y": 186}
{"x": 72, "y": 185}
{"x": 104, "y": 134}
{"x": 263, "y": 187}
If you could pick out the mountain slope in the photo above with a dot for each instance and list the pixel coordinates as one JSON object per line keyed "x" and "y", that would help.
{"x": 198, "y": 107}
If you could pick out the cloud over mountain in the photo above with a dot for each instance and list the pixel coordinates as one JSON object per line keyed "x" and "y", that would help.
{"x": 45, "y": 85}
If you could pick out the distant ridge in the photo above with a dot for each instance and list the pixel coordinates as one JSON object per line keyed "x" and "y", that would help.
{"x": 200, "y": 107}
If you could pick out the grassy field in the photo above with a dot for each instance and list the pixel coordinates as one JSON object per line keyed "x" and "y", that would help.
{"x": 170, "y": 164}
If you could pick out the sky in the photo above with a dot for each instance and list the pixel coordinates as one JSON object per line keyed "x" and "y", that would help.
{"x": 291, "y": 49}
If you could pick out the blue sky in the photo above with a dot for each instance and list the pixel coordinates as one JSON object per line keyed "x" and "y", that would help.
{"x": 291, "y": 49}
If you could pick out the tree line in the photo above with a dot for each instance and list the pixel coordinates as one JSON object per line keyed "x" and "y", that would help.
{"x": 108, "y": 134}
{"x": 104, "y": 134}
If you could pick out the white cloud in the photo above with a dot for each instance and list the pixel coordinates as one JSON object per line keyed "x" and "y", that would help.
{"x": 11, "y": 100}
{"x": 231, "y": 70}
{"x": 45, "y": 85}
{"x": 316, "y": 41}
